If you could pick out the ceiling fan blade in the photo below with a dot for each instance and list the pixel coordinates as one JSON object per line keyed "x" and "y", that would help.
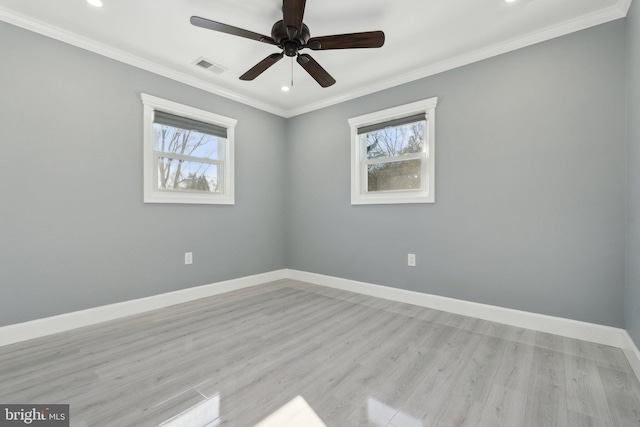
{"x": 262, "y": 66}
{"x": 369, "y": 39}
{"x": 293, "y": 13}
{"x": 228, "y": 29}
{"x": 320, "y": 75}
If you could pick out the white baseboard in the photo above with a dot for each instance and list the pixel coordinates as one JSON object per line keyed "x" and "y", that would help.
{"x": 591, "y": 332}
{"x": 52, "y": 325}
{"x": 600, "y": 334}
{"x": 633, "y": 354}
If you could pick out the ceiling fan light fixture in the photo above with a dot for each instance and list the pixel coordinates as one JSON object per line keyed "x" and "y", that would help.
{"x": 95, "y": 3}
{"x": 291, "y": 35}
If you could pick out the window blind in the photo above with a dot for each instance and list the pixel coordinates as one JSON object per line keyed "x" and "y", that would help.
{"x": 392, "y": 123}
{"x": 172, "y": 120}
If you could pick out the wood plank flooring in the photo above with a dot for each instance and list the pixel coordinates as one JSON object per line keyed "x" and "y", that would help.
{"x": 354, "y": 359}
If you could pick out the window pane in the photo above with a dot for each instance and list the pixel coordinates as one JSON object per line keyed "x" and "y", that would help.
{"x": 394, "y": 176}
{"x": 395, "y": 141}
{"x": 174, "y": 174}
{"x": 188, "y": 142}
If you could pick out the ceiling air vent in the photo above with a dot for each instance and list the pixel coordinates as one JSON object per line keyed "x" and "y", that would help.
{"x": 209, "y": 65}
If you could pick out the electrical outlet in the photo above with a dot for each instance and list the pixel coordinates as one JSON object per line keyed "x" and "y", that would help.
{"x": 188, "y": 258}
{"x": 411, "y": 260}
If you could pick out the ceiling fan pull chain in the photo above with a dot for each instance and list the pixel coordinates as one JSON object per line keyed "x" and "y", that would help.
{"x": 292, "y": 71}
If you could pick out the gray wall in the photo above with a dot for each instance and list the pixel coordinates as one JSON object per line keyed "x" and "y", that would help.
{"x": 529, "y": 210}
{"x": 74, "y": 232}
{"x": 632, "y": 299}
{"x": 530, "y": 186}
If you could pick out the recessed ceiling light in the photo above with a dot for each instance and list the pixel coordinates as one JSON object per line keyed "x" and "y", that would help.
{"x": 96, "y": 3}
{"x": 285, "y": 88}
{"x": 510, "y": 1}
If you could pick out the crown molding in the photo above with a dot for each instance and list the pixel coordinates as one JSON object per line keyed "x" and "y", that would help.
{"x": 624, "y": 6}
{"x": 617, "y": 11}
{"x": 130, "y": 59}
{"x": 612, "y": 13}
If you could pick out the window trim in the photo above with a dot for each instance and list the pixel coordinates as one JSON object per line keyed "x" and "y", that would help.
{"x": 152, "y": 194}
{"x": 359, "y": 162}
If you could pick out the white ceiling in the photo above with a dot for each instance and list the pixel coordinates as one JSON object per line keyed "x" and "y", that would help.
{"x": 423, "y": 37}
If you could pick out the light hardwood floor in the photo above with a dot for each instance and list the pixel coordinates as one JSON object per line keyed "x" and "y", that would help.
{"x": 354, "y": 359}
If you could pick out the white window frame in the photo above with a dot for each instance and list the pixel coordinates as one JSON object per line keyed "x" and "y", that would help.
{"x": 153, "y": 194}
{"x": 426, "y": 194}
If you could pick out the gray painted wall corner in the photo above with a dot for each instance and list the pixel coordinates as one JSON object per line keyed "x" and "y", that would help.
{"x": 632, "y": 296}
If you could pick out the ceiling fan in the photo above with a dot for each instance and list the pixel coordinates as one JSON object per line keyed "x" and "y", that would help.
{"x": 292, "y": 35}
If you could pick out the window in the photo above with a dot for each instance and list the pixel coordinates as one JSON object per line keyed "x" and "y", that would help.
{"x": 188, "y": 154}
{"x": 392, "y": 155}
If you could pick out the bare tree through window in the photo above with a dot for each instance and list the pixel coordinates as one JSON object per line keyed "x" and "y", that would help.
{"x": 389, "y": 145}
{"x": 187, "y": 170}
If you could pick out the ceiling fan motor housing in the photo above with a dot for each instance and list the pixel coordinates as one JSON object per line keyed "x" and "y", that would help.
{"x": 290, "y": 46}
